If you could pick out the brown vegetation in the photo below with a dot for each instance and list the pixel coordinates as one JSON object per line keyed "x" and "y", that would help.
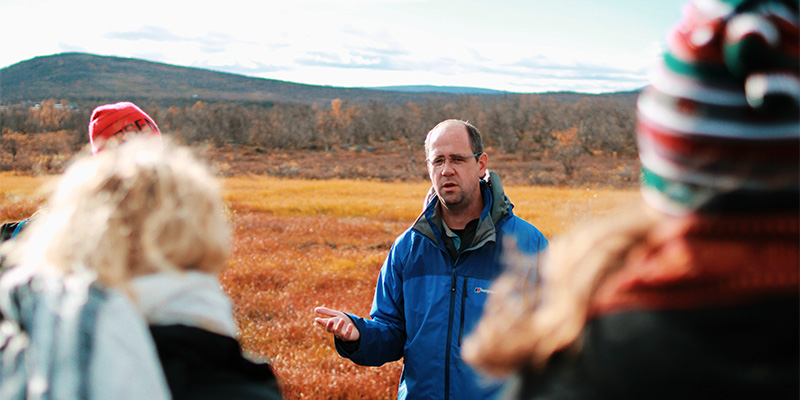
{"x": 282, "y": 268}
{"x": 302, "y": 243}
{"x": 391, "y": 163}
{"x": 532, "y": 139}
{"x": 317, "y": 194}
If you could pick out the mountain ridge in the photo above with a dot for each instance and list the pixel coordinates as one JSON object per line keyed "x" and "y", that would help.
{"x": 88, "y": 77}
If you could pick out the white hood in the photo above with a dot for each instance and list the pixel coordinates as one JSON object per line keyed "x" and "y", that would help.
{"x": 189, "y": 298}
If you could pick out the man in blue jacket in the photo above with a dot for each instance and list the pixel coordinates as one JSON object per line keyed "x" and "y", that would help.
{"x": 434, "y": 283}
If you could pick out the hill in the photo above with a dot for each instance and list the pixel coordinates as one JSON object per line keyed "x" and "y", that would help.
{"x": 87, "y": 77}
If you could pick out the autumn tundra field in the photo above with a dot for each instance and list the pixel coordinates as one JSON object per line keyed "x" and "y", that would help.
{"x": 300, "y": 243}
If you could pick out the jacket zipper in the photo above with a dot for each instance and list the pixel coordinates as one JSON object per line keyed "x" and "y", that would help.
{"x": 463, "y": 308}
{"x": 449, "y": 335}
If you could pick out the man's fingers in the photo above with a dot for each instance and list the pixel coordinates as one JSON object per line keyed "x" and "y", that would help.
{"x": 348, "y": 331}
{"x": 351, "y": 332}
{"x": 322, "y": 321}
{"x": 327, "y": 311}
{"x": 336, "y": 322}
{"x": 329, "y": 324}
{"x": 340, "y": 324}
{"x": 332, "y": 323}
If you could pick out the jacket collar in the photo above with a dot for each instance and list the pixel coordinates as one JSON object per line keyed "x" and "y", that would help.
{"x": 496, "y": 206}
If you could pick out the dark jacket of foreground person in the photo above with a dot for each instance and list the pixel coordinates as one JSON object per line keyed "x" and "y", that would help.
{"x": 192, "y": 324}
{"x": 708, "y": 309}
{"x": 202, "y": 365}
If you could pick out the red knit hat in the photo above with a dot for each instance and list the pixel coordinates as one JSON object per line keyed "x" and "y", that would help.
{"x": 118, "y": 120}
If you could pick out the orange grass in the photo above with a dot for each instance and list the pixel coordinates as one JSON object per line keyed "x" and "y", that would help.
{"x": 21, "y": 196}
{"x": 302, "y": 243}
{"x": 552, "y": 209}
{"x": 336, "y": 197}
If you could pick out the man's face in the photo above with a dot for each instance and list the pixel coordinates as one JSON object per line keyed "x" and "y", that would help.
{"x": 454, "y": 170}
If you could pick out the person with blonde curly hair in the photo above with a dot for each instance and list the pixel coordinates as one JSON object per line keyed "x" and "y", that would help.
{"x": 145, "y": 218}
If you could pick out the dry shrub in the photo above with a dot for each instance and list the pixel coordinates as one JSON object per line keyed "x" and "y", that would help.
{"x": 299, "y": 244}
{"x": 281, "y": 268}
{"x": 21, "y": 196}
{"x": 302, "y": 243}
{"x": 46, "y": 152}
{"x": 18, "y": 211}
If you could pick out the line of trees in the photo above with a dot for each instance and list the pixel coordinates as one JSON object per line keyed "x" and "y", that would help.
{"x": 43, "y": 136}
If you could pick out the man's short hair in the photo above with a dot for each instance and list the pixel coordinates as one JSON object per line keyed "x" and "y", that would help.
{"x": 475, "y": 139}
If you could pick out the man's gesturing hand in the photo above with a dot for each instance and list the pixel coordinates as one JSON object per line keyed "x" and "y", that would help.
{"x": 338, "y": 323}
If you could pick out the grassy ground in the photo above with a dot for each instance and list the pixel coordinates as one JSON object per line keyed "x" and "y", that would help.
{"x": 302, "y": 243}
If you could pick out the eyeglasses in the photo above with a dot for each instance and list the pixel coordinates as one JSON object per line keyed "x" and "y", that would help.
{"x": 455, "y": 160}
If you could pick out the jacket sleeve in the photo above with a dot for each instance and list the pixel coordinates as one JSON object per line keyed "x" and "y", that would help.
{"x": 531, "y": 242}
{"x": 527, "y": 237}
{"x": 383, "y": 336}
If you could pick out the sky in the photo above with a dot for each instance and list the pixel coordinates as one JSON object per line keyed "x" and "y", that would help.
{"x": 521, "y": 46}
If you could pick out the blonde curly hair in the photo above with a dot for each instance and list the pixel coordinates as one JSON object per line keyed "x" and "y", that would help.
{"x": 142, "y": 207}
{"x": 525, "y": 325}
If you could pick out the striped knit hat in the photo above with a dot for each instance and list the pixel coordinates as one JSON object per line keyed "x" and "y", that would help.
{"x": 721, "y": 118}
{"x": 116, "y": 121}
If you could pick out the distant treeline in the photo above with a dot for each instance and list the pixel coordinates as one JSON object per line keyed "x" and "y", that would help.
{"x": 42, "y": 136}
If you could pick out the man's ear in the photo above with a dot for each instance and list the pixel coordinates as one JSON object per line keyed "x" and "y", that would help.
{"x": 483, "y": 161}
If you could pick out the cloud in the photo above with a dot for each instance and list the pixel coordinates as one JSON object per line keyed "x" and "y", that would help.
{"x": 338, "y": 60}
{"x": 147, "y": 32}
{"x": 68, "y": 48}
{"x": 507, "y": 45}
{"x": 254, "y": 69}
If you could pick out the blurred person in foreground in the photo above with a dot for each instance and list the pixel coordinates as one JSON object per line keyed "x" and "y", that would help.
{"x": 146, "y": 219}
{"x": 433, "y": 284}
{"x": 697, "y": 294}
{"x": 114, "y": 122}
{"x": 68, "y": 329}
{"x": 178, "y": 241}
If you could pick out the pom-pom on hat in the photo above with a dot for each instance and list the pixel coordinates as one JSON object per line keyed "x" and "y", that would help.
{"x": 719, "y": 126}
{"x": 117, "y": 121}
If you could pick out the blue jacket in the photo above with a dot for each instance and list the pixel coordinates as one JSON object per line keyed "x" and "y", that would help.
{"x": 425, "y": 303}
